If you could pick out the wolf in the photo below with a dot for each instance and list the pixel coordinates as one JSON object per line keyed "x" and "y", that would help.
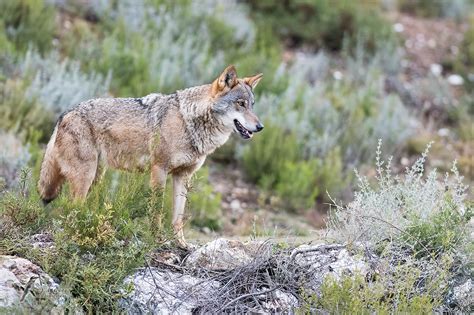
{"x": 165, "y": 134}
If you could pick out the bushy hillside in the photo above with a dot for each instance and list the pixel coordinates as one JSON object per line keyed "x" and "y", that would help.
{"x": 337, "y": 78}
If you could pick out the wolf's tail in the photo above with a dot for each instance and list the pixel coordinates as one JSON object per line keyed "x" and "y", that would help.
{"x": 50, "y": 181}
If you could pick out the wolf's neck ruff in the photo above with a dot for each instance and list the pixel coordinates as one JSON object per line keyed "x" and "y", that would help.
{"x": 206, "y": 132}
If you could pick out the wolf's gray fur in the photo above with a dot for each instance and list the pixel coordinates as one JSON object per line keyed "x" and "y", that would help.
{"x": 164, "y": 133}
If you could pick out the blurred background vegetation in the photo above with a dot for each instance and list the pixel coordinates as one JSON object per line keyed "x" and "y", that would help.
{"x": 339, "y": 75}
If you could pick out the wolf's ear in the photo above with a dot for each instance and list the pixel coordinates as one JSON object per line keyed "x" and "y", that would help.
{"x": 226, "y": 81}
{"x": 253, "y": 81}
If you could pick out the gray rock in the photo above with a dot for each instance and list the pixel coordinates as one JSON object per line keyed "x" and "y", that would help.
{"x": 26, "y": 288}
{"x": 324, "y": 261}
{"x": 164, "y": 292}
{"x": 463, "y": 296}
{"x": 223, "y": 254}
{"x": 280, "y": 302}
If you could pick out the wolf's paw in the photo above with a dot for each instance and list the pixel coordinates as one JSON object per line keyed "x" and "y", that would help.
{"x": 182, "y": 244}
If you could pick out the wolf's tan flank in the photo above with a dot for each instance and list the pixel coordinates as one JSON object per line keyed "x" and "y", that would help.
{"x": 168, "y": 134}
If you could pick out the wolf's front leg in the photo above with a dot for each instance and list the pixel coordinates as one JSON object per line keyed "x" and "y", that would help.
{"x": 155, "y": 208}
{"x": 180, "y": 190}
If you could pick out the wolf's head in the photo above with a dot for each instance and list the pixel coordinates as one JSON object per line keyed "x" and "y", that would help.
{"x": 233, "y": 101}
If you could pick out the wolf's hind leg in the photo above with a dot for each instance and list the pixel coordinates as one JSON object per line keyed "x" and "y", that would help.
{"x": 78, "y": 156}
{"x": 81, "y": 183}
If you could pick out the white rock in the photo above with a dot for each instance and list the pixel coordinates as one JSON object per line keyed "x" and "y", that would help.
{"x": 337, "y": 75}
{"x": 279, "y": 302}
{"x": 436, "y": 69}
{"x": 455, "y": 79}
{"x": 22, "y": 283}
{"x": 323, "y": 261}
{"x": 223, "y": 254}
{"x": 463, "y": 295}
{"x": 443, "y": 132}
{"x": 235, "y": 205}
{"x": 398, "y": 27}
{"x": 164, "y": 292}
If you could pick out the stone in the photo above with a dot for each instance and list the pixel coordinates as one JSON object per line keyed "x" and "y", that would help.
{"x": 280, "y": 302}
{"x": 158, "y": 291}
{"x": 223, "y": 254}
{"x": 26, "y": 288}
{"x": 324, "y": 261}
{"x": 463, "y": 296}
{"x": 455, "y": 79}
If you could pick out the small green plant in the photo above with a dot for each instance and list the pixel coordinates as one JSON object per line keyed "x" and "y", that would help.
{"x": 464, "y": 64}
{"x": 394, "y": 293}
{"x": 297, "y": 184}
{"x": 23, "y": 115}
{"x": 275, "y": 161}
{"x": 458, "y": 9}
{"x": 323, "y": 24}
{"x": 28, "y": 22}
{"x": 204, "y": 203}
{"x": 97, "y": 242}
{"x": 442, "y": 233}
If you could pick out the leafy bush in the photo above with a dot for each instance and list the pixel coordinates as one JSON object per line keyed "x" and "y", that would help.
{"x": 266, "y": 155}
{"x": 394, "y": 293}
{"x": 328, "y": 121}
{"x": 13, "y": 158}
{"x": 26, "y": 23}
{"x": 296, "y": 184}
{"x": 465, "y": 61}
{"x": 204, "y": 203}
{"x": 97, "y": 242}
{"x": 21, "y": 115}
{"x": 59, "y": 85}
{"x": 322, "y": 23}
{"x": 273, "y": 160}
{"x": 415, "y": 219}
{"x": 402, "y": 207}
{"x": 194, "y": 35}
{"x": 457, "y": 9}
{"x": 95, "y": 278}
{"x": 418, "y": 224}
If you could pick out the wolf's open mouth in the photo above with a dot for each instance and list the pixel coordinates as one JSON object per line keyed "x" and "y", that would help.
{"x": 244, "y": 133}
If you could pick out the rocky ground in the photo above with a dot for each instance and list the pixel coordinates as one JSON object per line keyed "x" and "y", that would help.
{"x": 220, "y": 276}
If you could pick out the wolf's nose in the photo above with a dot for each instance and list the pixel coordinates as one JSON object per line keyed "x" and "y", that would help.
{"x": 259, "y": 127}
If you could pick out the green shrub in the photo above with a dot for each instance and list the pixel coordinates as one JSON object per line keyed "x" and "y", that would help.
{"x": 95, "y": 278}
{"x": 20, "y": 213}
{"x": 297, "y": 185}
{"x": 395, "y": 293}
{"x": 405, "y": 208}
{"x": 19, "y": 207}
{"x": 274, "y": 160}
{"x": 98, "y": 242}
{"x": 414, "y": 221}
{"x": 464, "y": 64}
{"x": 457, "y": 9}
{"x": 204, "y": 203}
{"x": 23, "y": 115}
{"x": 265, "y": 157}
{"x": 322, "y": 23}
{"x": 442, "y": 233}
{"x": 28, "y": 22}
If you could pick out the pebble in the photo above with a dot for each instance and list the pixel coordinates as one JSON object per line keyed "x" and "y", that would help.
{"x": 455, "y": 79}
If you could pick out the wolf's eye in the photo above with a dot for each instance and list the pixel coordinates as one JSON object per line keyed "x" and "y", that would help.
{"x": 241, "y": 103}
